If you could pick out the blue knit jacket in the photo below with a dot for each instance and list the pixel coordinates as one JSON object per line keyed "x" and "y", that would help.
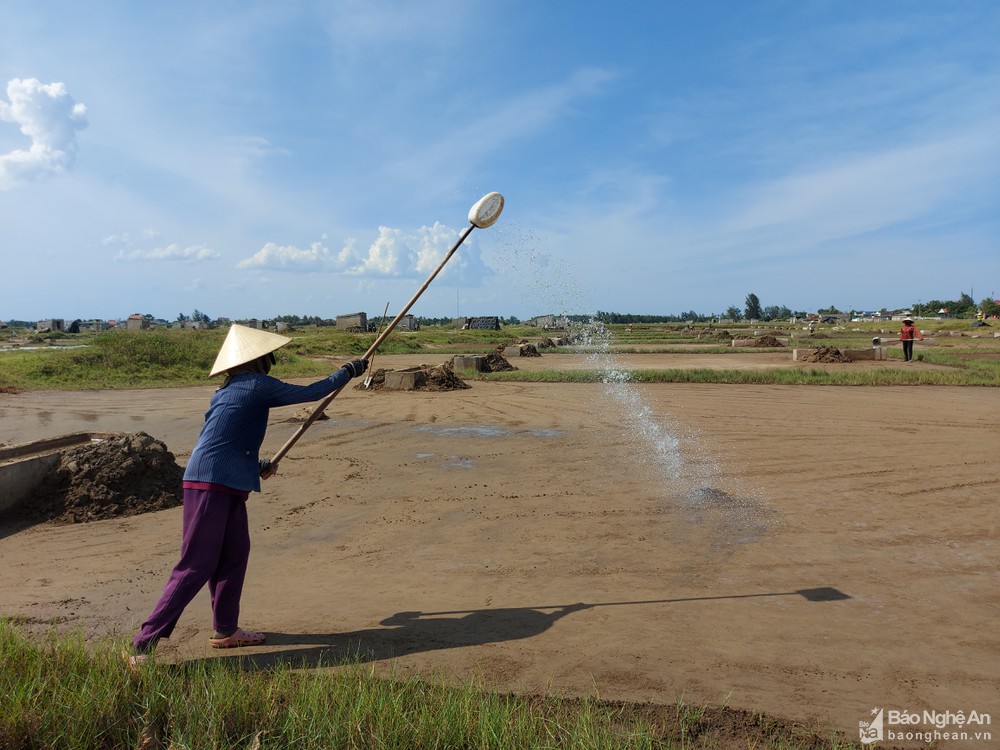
{"x": 228, "y": 449}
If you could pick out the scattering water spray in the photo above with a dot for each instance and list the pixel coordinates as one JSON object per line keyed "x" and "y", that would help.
{"x": 482, "y": 215}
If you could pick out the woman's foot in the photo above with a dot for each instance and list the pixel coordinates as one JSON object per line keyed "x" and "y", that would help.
{"x": 237, "y": 639}
{"x": 136, "y": 658}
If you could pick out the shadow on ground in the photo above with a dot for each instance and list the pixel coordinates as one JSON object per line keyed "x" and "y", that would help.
{"x": 414, "y": 632}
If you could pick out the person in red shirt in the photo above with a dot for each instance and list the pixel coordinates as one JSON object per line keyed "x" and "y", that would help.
{"x": 906, "y": 334}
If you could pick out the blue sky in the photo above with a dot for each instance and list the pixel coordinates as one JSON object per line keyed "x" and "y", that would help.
{"x": 252, "y": 159}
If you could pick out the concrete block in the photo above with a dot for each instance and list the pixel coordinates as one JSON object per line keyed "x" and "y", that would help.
{"x": 742, "y": 342}
{"x": 19, "y": 479}
{"x": 476, "y": 362}
{"x": 404, "y": 380}
{"x": 873, "y": 354}
{"x": 512, "y": 351}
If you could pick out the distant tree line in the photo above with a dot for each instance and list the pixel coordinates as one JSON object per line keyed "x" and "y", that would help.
{"x": 303, "y": 320}
{"x": 963, "y": 307}
{"x": 196, "y": 317}
{"x": 613, "y": 317}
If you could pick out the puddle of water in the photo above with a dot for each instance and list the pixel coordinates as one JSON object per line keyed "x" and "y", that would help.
{"x": 484, "y": 431}
{"x": 457, "y": 462}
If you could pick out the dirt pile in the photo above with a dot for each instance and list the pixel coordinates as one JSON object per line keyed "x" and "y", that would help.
{"x": 121, "y": 476}
{"x": 375, "y": 380}
{"x": 304, "y": 413}
{"x": 496, "y": 362}
{"x": 721, "y": 335}
{"x": 528, "y": 349}
{"x": 443, "y": 378}
{"x": 431, "y": 378}
{"x": 546, "y": 343}
{"x": 766, "y": 341}
{"x": 823, "y": 354}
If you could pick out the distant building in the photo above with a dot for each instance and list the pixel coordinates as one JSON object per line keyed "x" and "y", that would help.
{"x": 408, "y": 323}
{"x": 50, "y": 326}
{"x": 485, "y": 323}
{"x": 137, "y": 322}
{"x": 353, "y": 323}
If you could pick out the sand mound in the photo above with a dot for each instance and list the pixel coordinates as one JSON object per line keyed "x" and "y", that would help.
{"x": 823, "y": 354}
{"x": 431, "y": 378}
{"x": 304, "y": 413}
{"x": 766, "y": 341}
{"x": 443, "y": 378}
{"x": 496, "y": 362}
{"x": 122, "y": 476}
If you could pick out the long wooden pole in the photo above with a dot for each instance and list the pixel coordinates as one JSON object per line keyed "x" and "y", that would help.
{"x": 321, "y": 407}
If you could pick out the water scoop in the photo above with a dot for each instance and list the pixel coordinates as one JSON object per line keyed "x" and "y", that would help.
{"x": 482, "y": 215}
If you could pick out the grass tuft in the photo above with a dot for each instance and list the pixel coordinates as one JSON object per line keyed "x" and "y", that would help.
{"x": 62, "y": 693}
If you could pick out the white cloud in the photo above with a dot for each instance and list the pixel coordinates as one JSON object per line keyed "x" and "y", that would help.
{"x": 47, "y": 114}
{"x": 384, "y": 257}
{"x": 127, "y": 240}
{"x": 316, "y": 257}
{"x": 393, "y": 253}
{"x": 172, "y": 252}
{"x": 433, "y": 243}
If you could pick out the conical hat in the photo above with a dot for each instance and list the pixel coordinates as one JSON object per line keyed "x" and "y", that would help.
{"x": 244, "y": 345}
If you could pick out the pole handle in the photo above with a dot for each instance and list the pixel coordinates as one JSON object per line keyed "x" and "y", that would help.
{"x": 321, "y": 407}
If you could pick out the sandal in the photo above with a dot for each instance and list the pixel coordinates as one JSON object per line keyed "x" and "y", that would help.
{"x": 237, "y": 639}
{"x": 135, "y": 660}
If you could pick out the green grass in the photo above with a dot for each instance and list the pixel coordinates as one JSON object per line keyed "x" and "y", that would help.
{"x": 973, "y": 376}
{"x": 161, "y": 358}
{"x": 135, "y": 359}
{"x": 62, "y": 693}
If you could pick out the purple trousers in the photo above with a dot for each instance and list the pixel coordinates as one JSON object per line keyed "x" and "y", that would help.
{"x": 215, "y": 548}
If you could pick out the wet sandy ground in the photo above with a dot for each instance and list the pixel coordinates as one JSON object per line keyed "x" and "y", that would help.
{"x": 809, "y": 552}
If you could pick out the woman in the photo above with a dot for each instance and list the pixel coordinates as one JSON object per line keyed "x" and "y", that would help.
{"x": 906, "y": 334}
{"x": 224, "y": 468}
